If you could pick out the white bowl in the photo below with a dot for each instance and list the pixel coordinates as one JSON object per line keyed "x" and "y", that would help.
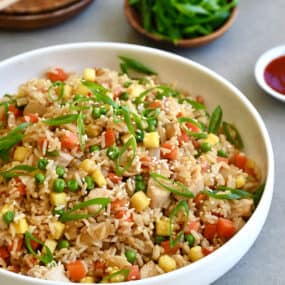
{"x": 193, "y": 77}
{"x": 260, "y": 66}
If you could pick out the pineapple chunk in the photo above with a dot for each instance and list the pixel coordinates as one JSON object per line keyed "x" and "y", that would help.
{"x": 51, "y": 244}
{"x": 21, "y": 153}
{"x": 167, "y": 263}
{"x": 89, "y": 74}
{"x": 163, "y": 227}
{"x": 240, "y": 181}
{"x": 87, "y": 279}
{"x": 99, "y": 178}
{"x": 58, "y": 199}
{"x": 87, "y": 165}
{"x": 212, "y": 139}
{"x": 125, "y": 138}
{"x": 140, "y": 201}
{"x": 67, "y": 91}
{"x": 21, "y": 226}
{"x": 82, "y": 90}
{"x": 151, "y": 140}
{"x": 58, "y": 230}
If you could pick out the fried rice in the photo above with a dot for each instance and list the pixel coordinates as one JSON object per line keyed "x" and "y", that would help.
{"x": 109, "y": 178}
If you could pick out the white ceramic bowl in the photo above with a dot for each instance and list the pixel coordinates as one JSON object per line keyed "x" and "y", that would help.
{"x": 260, "y": 66}
{"x": 193, "y": 77}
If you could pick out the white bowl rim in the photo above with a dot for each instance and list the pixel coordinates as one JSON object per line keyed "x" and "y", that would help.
{"x": 262, "y": 62}
{"x": 264, "y": 204}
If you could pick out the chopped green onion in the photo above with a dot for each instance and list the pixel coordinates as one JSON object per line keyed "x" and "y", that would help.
{"x": 8, "y": 217}
{"x": 190, "y": 239}
{"x": 226, "y": 193}
{"x": 70, "y": 216}
{"x": 129, "y": 63}
{"x": 42, "y": 163}
{"x": 94, "y": 148}
{"x": 89, "y": 182}
{"x": 119, "y": 169}
{"x": 19, "y": 170}
{"x": 151, "y": 124}
{"x": 54, "y": 85}
{"x": 233, "y": 135}
{"x": 194, "y": 104}
{"x": 198, "y": 135}
{"x": 124, "y": 96}
{"x": 81, "y": 130}
{"x": 159, "y": 239}
{"x": 53, "y": 153}
{"x": 113, "y": 152}
{"x": 215, "y": 121}
{"x": 139, "y": 135}
{"x": 61, "y": 120}
{"x": 181, "y": 205}
{"x": 258, "y": 194}
{"x": 130, "y": 255}
{"x": 45, "y": 258}
{"x": 177, "y": 187}
{"x": 124, "y": 272}
{"x": 222, "y": 153}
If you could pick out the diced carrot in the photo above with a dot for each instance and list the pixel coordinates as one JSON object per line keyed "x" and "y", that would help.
{"x": 76, "y": 270}
{"x": 192, "y": 226}
{"x": 118, "y": 205}
{"x": 13, "y": 109}
{"x": 225, "y": 228}
{"x": 21, "y": 187}
{"x": 4, "y": 253}
{"x": 171, "y": 154}
{"x": 99, "y": 268}
{"x": 35, "y": 245}
{"x": 120, "y": 214}
{"x": 210, "y": 231}
{"x": 179, "y": 115}
{"x": 200, "y": 198}
{"x": 57, "y": 74}
{"x": 196, "y": 144}
{"x": 145, "y": 162}
{"x": 32, "y": 118}
{"x": 110, "y": 137}
{"x": 69, "y": 140}
{"x": 167, "y": 249}
{"x": 208, "y": 250}
{"x": 239, "y": 160}
{"x": 17, "y": 247}
{"x": 134, "y": 273}
{"x": 192, "y": 127}
{"x": 183, "y": 137}
{"x": 155, "y": 104}
{"x": 114, "y": 178}
{"x": 41, "y": 141}
{"x": 222, "y": 159}
{"x": 200, "y": 99}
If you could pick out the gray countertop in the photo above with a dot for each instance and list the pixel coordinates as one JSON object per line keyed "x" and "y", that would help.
{"x": 259, "y": 26}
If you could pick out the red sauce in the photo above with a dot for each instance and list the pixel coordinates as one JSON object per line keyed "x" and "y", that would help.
{"x": 274, "y": 74}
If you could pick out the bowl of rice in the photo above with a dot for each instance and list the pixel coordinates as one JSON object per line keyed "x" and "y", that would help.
{"x": 124, "y": 163}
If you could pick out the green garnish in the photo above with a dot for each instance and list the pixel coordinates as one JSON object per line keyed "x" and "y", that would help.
{"x": 226, "y": 193}
{"x": 198, "y": 135}
{"x": 174, "y": 187}
{"x": 42, "y": 163}
{"x": 61, "y": 120}
{"x": 222, "y": 153}
{"x": 94, "y": 148}
{"x": 194, "y": 104}
{"x": 70, "y": 216}
{"x": 40, "y": 178}
{"x": 129, "y": 63}
{"x": 130, "y": 255}
{"x": 72, "y": 185}
{"x": 44, "y": 258}
{"x": 139, "y": 135}
{"x": 19, "y": 170}
{"x": 159, "y": 239}
{"x": 140, "y": 184}
{"x": 124, "y": 272}
{"x": 124, "y": 96}
{"x": 55, "y": 85}
{"x": 113, "y": 152}
{"x": 53, "y": 153}
{"x": 215, "y": 121}
{"x": 89, "y": 182}
{"x": 58, "y": 185}
{"x": 8, "y": 217}
{"x": 190, "y": 239}
{"x": 233, "y": 135}
{"x": 181, "y": 205}
{"x": 119, "y": 168}
{"x": 59, "y": 171}
{"x": 258, "y": 194}
{"x": 81, "y": 130}
{"x": 205, "y": 147}
{"x": 64, "y": 243}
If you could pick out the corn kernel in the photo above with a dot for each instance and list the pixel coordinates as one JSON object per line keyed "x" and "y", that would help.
{"x": 195, "y": 253}
{"x": 51, "y": 244}
{"x": 135, "y": 90}
{"x": 6, "y": 208}
{"x": 21, "y": 226}
{"x": 240, "y": 181}
{"x": 125, "y": 138}
{"x": 151, "y": 140}
{"x": 167, "y": 263}
{"x": 87, "y": 279}
{"x": 89, "y": 74}
{"x": 58, "y": 230}
{"x": 87, "y": 165}
{"x": 163, "y": 227}
{"x": 58, "y": 199}
{"x": 99, "y": 178}
{"x": 21, "y": 153}
{"x": 140, "y": 201}
{"x": 82, "y": 90}
{"x": 67, "y": 91}
{"x": 212, "y": 139}
{"x": 92, "y": 130}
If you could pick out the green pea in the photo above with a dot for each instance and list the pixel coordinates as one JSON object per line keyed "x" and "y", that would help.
{"x": 42, "y": 163}
{"x": 96, "y": 113}
{"x": 40, "y": 178}
{"x": 159, "y": 239}
{"x": 190, "y": 239}
{"x": 72, "y": 185}
{"x": 94, "y": 148}
{"x": 124, "y": 96}
{"x": 139, "y": 183}
{"x": 113, "y": 152}
{"x": 89, "y": 182}
{"x": 8, "y": 217}
{"x": 127, "y": 84}
{"x": 59, "y": 171}
{"x": 104, "y": 109}
{"x": 222, "y": 153}
{"x": 63, "y": 244}
{"x": 139, "y": 135}
{"x": 58, "y": 185}
{"x": 205, "y": 147}
{"x": 130, "y": 255}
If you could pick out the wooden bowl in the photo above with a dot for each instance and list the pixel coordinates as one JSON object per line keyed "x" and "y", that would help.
{"x": 41, "y": 20}
{"x": 135, "y": 21}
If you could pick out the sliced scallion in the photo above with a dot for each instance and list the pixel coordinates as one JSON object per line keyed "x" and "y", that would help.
{"x": 81, "y": 130}
{"x": 233, "y": 135}
{"x": 258, "y": 194}
{"x": 19, "y": 170}
{"x": 61, "y": 120}
{"x": 129, "y": 63}
{"x": 226, "y": 193}
{"x": 55, "y": 85}
{"x": 198, "y": 135}
{"x": 124, "y": 272}
{"x": 215, "y": 121}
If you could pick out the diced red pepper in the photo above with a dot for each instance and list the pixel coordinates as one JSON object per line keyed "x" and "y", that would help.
{"x": 200, "y": 198}
{"x": 32, "y": 118}
{"x": 210, "y": 231}
{"x": 114, "y": 178}
{"x": 19, "y": 245}
{"x": 183, "y": 138}
{"x": 239, "y": 160}
{"x": 57, "y": 74}
{"x": 110, "y": 137}
{"x": 99, "y": 268}
{"x": 192, "y": 226}
{"x": 21, "y": 187}
{"x": 192, "y": 127}
{"x": 155, "y": 104}
{"x": 69, "y": 140}
{"x": 4, "y": 253}
{"x": 208, "y": 250}
{"x": 134, "y": 273}
{"x": 167, "y": 249}
{"x": 171, "y": 154}
{"x": 225, "y": 228}
{"x": 13, "y": 109}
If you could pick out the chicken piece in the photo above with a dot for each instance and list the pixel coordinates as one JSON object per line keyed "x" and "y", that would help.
{"x": 101, "y": 231}
{"x": 149, "y": 270}
{"x": 34, "y": 107}
{"x": 56, "y": 273}
{"x": 64, "y": 158}
{"x": 160, "y": 197}
{"x": 242, "y": 208}
{"x": 116, "y": 260}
